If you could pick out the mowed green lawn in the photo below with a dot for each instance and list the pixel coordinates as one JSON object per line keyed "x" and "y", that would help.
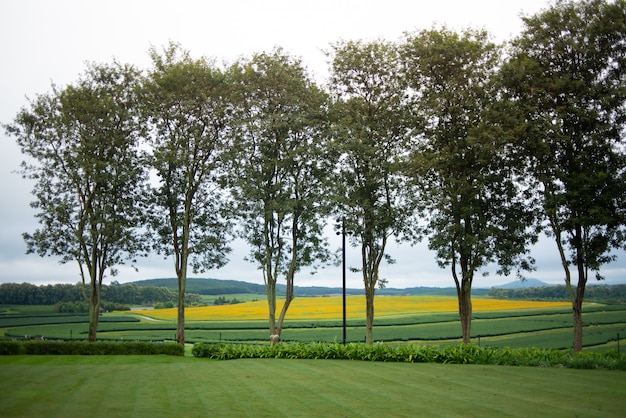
{"x": 154, "y": 386}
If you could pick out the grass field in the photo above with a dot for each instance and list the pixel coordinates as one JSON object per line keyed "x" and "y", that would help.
{"x": 149, "y": 386}
{"x": 415, "y": 319}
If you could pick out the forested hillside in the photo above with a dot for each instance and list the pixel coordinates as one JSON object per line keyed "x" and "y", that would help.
{"x": 149, "y": 292}
{"x": 203, "y": 286}
{"x": 152, "y": 291}
{"x": 207, "y": 286}
{"x": 598, "y": 293}
{"x": 128, "y": 293}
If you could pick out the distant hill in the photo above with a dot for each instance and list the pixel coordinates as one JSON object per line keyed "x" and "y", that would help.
{"x": 208, "y": 286}
{"x": 202, "y": 286}
{"x": 523, "y": 284}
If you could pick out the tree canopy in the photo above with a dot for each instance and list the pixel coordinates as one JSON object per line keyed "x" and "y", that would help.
{"x": 187, "y": 103}
{"x": 369, "y": 139}
{"x": 442, "y": 134}
{"x": 278, "y": 169}
{"x": 565, "y": 76}
{"x": 82, "y": 141}
{"x": 470, "y": 191}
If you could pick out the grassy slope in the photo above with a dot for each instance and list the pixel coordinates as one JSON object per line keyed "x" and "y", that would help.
{"x": 541, "y": 328}
{"x": 131, "y": 386}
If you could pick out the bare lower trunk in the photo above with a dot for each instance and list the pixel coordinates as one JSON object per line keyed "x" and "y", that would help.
{"x": 181, "y": 273}
{"x": 578, "y": 326}
{"x": 464, "y": 296}
{"x": 270, "y": 288}
{"x": 283, "y": 312}
{"x": 576, "y": 294}
{"x": 371, "y": 259}
{"x": 290, "y": 278}
{"x": 95, "y": 287}
{"x": 369, "y": 314}
{"x": 577, "y": 304}
{"x": 94, "y": 314}
{"x": 180, "y": 323}
{"x": 465, "y": 311}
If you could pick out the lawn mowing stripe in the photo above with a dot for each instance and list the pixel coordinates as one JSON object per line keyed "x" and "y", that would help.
{"x": 147, "y": 386}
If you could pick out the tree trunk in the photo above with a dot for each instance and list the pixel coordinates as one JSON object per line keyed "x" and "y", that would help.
{"x": 369, "y": 314}
{"x": 464, "y": 297}
{"x": 95, "y": 287}
{"x": 465, "y": 311}
{"x": 371, "y": 258}
{"x": 281, "y": 318}
{"x": 180, "y": 323}
{"x": 291, "y": 273}
{"x": 578, "y": 325}
{"x": 577, "y": 303}
{"x": 182, "y": 255}
{"x": 578, "y": 295}
{"x": 288, "y": 298}
{"x": 270, "y": 288}
{"x": 94, "y": 311}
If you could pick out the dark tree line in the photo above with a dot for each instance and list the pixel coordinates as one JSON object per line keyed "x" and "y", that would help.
{"x": 127, "y": 294}
{"x": 597, "y": 293}
{"x": 442, "y": 135}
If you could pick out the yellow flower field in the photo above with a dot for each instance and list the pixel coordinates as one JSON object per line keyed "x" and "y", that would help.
{"x": 331, "y": 308}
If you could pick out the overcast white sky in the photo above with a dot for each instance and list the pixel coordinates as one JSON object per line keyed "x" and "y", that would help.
{"x": 43, "y": 41}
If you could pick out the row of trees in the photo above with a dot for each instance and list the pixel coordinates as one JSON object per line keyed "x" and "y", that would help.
{"x": 612, "y": 294}
{"x": 126, "y": 293}
{"x": 442, "y": 134}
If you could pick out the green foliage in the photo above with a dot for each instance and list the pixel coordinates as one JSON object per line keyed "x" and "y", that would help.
{"x": 598, "y": 293}
{"x": 565, "y": 84}
{"x": 206, "y": 286}
{"x": 409, "y": 353}
{"x": 83, "y": 307}
{"x": 71, "y": 307}
{"x": 10, "y": 348}
{"x": 186, "y": 104}
{"x": 164, "y": 305}
{"x": 439, "y": 108}
{"x": 369, "y": 144}
{"x": 89, "y": 348}
{"x": 471, "y": 192}
{"x": 115, "y": 293}
{"x": 189, "y": 120}
{"x": 223, "y": 301}
{"x": 278, "y": 168}
{"x": 82, "y": 142}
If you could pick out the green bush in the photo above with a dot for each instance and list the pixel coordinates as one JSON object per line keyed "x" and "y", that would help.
{"x": 87, "y": 348}
{"x": 164, "y": 305}
{"x": 71, "y": 307}
{"x": 9, "y": 347}
{"x": 461, "y": 354}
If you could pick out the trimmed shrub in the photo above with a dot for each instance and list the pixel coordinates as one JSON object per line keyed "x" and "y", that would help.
{"x": 409, "y": 353}
{"x": 87, "y": 348}
{"x": 9, "y": 348}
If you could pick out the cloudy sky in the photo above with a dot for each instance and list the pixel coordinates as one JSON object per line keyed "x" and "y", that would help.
{"x": 44, "y": 42}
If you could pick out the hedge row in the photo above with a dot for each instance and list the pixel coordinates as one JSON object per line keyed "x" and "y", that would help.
{"x": 411, "y": 353}
{"x": 86, "y": 348}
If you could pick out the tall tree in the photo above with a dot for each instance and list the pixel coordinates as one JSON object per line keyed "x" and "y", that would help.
{"x": 467, "y": 180}
{"x": 369, "y": 143}
{"x": 278, "y": 171}
{"x": 187, "y": 103}
{"x": 566, "y": 78}
{"x": 82, "y": 142}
